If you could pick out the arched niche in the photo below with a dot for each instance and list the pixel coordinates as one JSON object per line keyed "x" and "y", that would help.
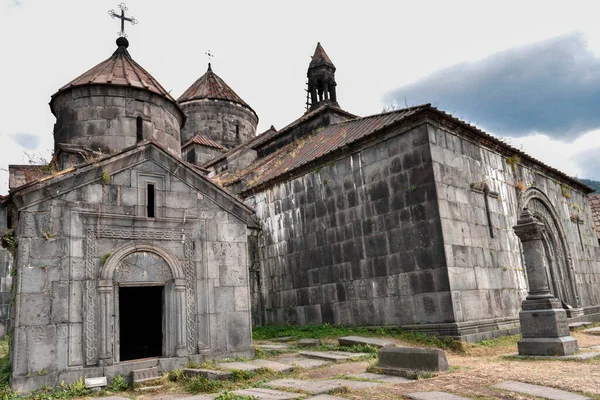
{"x": 561, "y": 277}
{"x": 142, "y": 265}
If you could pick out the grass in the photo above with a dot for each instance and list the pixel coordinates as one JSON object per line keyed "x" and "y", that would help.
{"x": 334, "y": 331}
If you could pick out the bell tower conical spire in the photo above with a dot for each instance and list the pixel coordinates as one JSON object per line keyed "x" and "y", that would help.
{"x": 321, "y": 79}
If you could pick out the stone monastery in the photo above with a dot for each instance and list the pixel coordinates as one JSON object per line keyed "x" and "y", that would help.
{"x": 164, "y": 229}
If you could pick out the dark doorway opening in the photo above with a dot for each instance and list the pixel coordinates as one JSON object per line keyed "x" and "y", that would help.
{"x": 140, "y": 317}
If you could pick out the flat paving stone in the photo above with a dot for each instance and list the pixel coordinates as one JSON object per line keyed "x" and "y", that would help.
{"x": 434, "y": 396}
{"x": 380, "y": 377}
{"x": 539, "y": 391}
{"x": 333, "y": 356}
{"x": 210, "y": 374}
{"x": 303, "y": 362}
{"x": 309, "y": 343}
{"x": 274, "y": 365}
{"x": 355, "y": 385}
{"x": 312, "y": 387}
{"x": 324, "y": 397}
{"x": 575, "y": 325}
{"x": 358, "y": 340}
{"x": 593, "y": 331}
{"x": 268, "y": 394}
{"x": 272, "y": 346}
{"x": 242, "y": 366}
{"x": 579, "y": 356}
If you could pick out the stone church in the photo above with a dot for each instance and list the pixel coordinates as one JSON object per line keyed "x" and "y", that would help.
{"x": 163, "y": 229}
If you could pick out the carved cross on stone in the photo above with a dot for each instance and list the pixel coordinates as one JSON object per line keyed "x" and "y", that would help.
{"x": 123, "y": 18}
{"x": 482, "y": 187}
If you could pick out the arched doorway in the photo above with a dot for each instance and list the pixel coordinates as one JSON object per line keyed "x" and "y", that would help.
{"x": 142, "y": 305}
{"x": 559, "y": 270}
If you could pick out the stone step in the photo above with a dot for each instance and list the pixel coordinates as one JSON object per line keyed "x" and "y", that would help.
{"x": 267, "y": 394}
{"x": 242, "y": 366}
{"x": 320, "y": 387}
{"x": 575, "y": 325}
{"x": 333, "y": 356}
{"x": 144, "y": 375}
{"x": 210, "y": 374}
{"x": 273, "y": 365}
{"x": 272, "y": 346}
{"x": 358, "y": 340}
{"x": 539, "y": 391}
{"x": 434, "y": 396}
{"x": 380, "y": 377}
{"x": 593, "y": 331}
{"x": 301, "y": 362}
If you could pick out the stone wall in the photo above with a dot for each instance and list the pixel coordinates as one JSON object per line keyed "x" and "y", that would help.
{"x": 486, "y": 269}
{"x": 199, "y": 155}
{"x": 355, "y": 241}
{"x": 5, "y": 275}
{"x": 104, "y": 118}
{"x": 227, "y": 123}
{"x": 65, "y": 290}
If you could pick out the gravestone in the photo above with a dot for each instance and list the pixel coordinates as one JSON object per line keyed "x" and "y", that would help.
{"x": 403, "y": 361}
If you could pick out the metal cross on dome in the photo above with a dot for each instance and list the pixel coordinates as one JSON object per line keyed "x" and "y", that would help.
{"x": 209, "y": 55}
{"x": 123, "y": 18}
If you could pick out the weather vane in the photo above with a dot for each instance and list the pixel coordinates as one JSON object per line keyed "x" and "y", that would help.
{"x": 209, "y": 55}
{"x": 123, "y": 18}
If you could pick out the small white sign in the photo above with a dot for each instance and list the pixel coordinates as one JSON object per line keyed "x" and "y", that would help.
{"x": 96, "y": 382}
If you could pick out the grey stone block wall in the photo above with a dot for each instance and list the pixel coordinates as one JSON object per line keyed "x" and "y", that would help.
{"x": 487, "y": 274}
{"x": 199, "y": 155}
{"x": 355, "y": 241}
{"x": 5, "y": 292}
{"x": 217, "y": 120}
{"x": 104, "y": 118}
{"x": 68, "y": 242}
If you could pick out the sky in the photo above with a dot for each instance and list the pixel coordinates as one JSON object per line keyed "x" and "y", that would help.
{"x": 527, "y": 72}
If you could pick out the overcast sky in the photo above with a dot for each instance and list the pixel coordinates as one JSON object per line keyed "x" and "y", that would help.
{"x": 525, "y": 71}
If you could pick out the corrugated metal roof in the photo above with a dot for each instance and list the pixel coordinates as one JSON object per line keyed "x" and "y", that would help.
{"x": 204, "y": 141}
{"x": 120, "y": 70}
{"x": 333, "y": 137}
{"x": 211, "y": 86}
{"x": 319, "y": 144}
{"x": 595, "y": 204}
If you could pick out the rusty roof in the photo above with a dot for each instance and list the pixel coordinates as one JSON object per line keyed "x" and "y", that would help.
{"x": 320, "y": 58}
{"x": 595, "y": 204}
{"x": 203, "y": 141}
{"x": 334, "y": 137}
{"x": 211, "y": 86}
{"x": 272, "y": 133}
{"x": 120, "y": 70}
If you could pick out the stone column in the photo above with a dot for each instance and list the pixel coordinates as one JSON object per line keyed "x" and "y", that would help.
{"x": 180, "y": 316}
{"x": 543, "y": 320}
{"x": 106, "y": 293}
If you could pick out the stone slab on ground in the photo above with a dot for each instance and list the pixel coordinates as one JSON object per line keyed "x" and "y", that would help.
{"x": 434, "y": 396}
{"x": 539, "y": 391}
{"x": 333, "y": 356}
{"x": 355, "y": 385}
{"x": 579, "y": 356}
{"x": 402, "y": 361}
{"x": 272, "y": 346}
{"x": 144, "y": 375}
{"x": 380, "y": 377}
{"x": 273, "y": 365}
{"x": 324, "y": 397}
{"x": 593, "y": 331}
{"x": 303, "y": 362}
{"x": 114, "y": 398}
{"x": 209, "y": 374}
{"x": 268, "y": 394}
{"x": 358, "y": 340}
{"x": 242, "y": 366}
{"x": 312, "y": 387}
{"x": 575, "y": 325}
{"x": 195, "y": 397}
{"x": 309, "y": 343}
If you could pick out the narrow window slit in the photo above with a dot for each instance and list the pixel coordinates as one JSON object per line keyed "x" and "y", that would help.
{"x": 150, "y": 203}
{"x": 139, "y": 129}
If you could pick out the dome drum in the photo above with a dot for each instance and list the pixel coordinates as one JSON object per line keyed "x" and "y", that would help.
{"x": 225, "y": 122}
{"x": 110, "y": 118}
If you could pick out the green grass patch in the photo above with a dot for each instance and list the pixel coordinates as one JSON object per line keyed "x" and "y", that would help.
{"x": 333, "y": 331}
{"x": 499, "y": 342}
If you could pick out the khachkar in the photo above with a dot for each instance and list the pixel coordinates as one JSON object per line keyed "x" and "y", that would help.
{"x": 543, "y": 320}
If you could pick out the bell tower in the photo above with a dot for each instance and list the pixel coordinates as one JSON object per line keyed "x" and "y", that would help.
{"x": 321, "y": 79}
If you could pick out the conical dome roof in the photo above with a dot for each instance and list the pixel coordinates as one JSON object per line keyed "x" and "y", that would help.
{"x": 120, "y": 70}
{"x": 211, "y": 86}
{"x": 320, "y": 58}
